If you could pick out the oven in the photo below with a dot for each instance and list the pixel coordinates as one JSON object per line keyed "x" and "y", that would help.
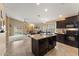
{"x": 72, "y": 38}
{"x": 71, "y": 35}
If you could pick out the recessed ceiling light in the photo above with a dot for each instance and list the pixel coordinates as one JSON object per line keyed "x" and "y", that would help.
{"x": 46, "y": 10}
{"x": 60, "y": 15}
{"x": 37, "y": 3}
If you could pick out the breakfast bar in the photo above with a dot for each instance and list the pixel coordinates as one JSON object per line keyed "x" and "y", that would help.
{"x": 41, "y": 43}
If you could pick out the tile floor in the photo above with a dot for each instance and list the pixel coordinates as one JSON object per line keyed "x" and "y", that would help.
{"x": 23, "y": 48}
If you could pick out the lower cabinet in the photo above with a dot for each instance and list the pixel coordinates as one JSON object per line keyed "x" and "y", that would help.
{"x": 60, "y": 38}
{"x": 42, "y": 46}
{"x": 51, "y": 44}
{"x": 68, "y": 40}
{"x": 72, "y": 40}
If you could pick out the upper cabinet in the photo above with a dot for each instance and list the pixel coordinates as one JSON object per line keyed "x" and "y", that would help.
{"x": 69, "y": 22}
{"x": 60, "y": 24}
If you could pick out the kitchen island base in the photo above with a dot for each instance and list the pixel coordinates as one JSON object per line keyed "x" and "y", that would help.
{"x": 42, "y": 46}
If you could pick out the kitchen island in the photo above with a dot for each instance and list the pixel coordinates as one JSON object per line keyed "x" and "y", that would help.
{"x": 41, "y": 44}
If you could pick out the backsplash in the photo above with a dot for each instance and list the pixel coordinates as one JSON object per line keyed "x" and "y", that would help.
{"x": 63, "y": 30}
{"x": 60, "y": 31}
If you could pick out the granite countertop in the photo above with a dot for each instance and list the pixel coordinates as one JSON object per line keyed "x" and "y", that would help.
{"x": 59, "y": 33}
{"x": 41, "y": 36}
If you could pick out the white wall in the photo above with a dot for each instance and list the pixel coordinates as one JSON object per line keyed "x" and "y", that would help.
{"x": 2, "y": 44}
{"x": 2, "y": 35}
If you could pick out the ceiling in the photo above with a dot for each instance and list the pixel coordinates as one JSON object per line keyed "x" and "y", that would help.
{"x": 35, "y": 13}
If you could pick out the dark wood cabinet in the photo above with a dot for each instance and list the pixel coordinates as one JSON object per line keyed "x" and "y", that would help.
{"x": 67, "y": 38}
{"x": 42, "y": 46}
{"x": 72, "y": 21}
{"x": 71, "y": 42}
{"x": 64, "y": 38}
{"x": 74, "y": 18}
{"x": 60, "y": 38}
{"x": 58, "y": 24}
{"x": 51, "y": 43}
{"x": 61, "y": 24}
{"x": 69, "y": 22}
